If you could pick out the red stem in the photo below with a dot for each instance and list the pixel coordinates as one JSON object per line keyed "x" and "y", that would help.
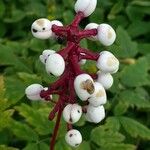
{"x": 79, "y": 16}
{"x": 87, "y": 33}
{"x": 52, "y": 143}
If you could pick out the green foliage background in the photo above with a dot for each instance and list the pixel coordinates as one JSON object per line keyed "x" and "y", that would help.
{"x": 24, "y": 124}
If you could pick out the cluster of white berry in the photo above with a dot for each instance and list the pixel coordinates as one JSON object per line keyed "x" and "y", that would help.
{"x": 87, "y": 89}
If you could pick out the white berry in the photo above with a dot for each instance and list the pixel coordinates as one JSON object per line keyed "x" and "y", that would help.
{"x": 33, "y": 91}
{"x": 85, "y": 6}
{"x": 95, "y": 114}
{"x": 73, "y": 138}
{"x": 46, "y": 53}
{"x": 72, "y": 113}
{"x": 41, "y": 29}
{"x": 106, "y": 34}
{"x": 99, "y": 97}
{"x": 105, "y": 79}
{"x": 84, "y": 86}
{"x": 55, "y": 65}
{"x": 107, "y": 62}
{"x": 92, "y": 26}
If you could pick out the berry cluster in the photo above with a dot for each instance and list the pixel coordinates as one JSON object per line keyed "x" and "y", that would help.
{"x": 65, "y": 64}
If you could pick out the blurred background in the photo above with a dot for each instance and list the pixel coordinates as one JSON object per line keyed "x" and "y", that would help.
{"x": 24, "y": 124}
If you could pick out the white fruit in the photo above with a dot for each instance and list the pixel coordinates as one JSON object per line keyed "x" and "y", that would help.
{"x": 46, "y": 53}
{"x": 95, "y": 114}
{"x": 82, "y": 62}
{"x": 41, "y": 29}
{"x": 72, "y": 113}
{"x": 107, "y": 62}
{"x": 99, "y": 97}
{"x": 33, "y": 91}
{"x": 92, "y": 26}
{"x": 106, "y": 34}
{"x": 84, "y": 86}
{"x": 73, "y": 138}
{"x": 85, "y": 6}
{"x": 55, "y": 65}
{"x": 58, "y": 23}
{"x": 105, "y": 79}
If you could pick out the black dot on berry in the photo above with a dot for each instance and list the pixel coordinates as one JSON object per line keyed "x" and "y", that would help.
{"x": 70, "y": 135}
{"x": 76, "y": 144}
{"x": 43, "y": 28}
{"x": 78, "y": 111}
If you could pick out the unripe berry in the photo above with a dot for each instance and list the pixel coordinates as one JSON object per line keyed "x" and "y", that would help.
{"x": 107, "y": 62}
{"x": 99, "y": 96}
{"x": 84, "y": 86}
{"x": 58, "y": 23}
{"x": 45, "y": 55}
{"x": 41, "y": 29}
{"x": 106, "y": 34}
{"x": 105, "y": 79}
{"x": 55, "y": 65}
{"x": 92, "y": 26}
{"x": 72, "y": 113}
{"x": 73, "y": 138}
{"x": 95, "y": 114}
{"x": 85, "y": 6}
{"x": 33, "y": 91}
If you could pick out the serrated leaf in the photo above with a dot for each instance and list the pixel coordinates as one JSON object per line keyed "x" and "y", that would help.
{"x": 37, "y": 119}
{"x": 134, "y": 99}
{"x": 5, "y": 118}
{"x": 134, "y": 128}
{"x": 135, "y": 75}
{"x": 114, "y": 146}
{"x": 128, "y": 48}
{"x": 23, "y": 131}
{"x": 112, "y": 123}
{"x": 102, "y": 137}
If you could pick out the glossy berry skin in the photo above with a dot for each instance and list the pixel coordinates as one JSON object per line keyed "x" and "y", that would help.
{"x": 106, "y": 34}
{"x": 84, "y": 86}
{"x": 72, "y": 113}
{"x": 99, "y": 96}
{"x": 33, "y": 91}
{"x": 73, "y": 138}
{"x": 105, "y": 79}
{"x": 41, "y": 29}
{"x": 107, "y": 62}
{"x": 55, "y": 65}
{"x": 95, "y": 114}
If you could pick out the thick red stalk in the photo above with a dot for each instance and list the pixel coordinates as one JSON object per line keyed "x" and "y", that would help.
{"x": 52, "y": 143}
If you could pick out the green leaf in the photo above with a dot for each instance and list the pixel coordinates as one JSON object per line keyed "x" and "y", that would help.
{"x": 138, "y": 28}
{"x": 144, "y": 48}
{"x": 15, "y": 89}
{"x": 2, "y": 8}
{"x": 102, "y": 137}
{"x": 128, "y": 48}
{"x": 134, "y": 128}
{"x": 114, "y": 146}
{"x": 112, "y": 123}
{"x": 68, "y": 16}
{"x": 23, "y": 131}
{"x": 62, "y": 145}
{"x": 39, "y": 120}
{"x": 135, "y": 75}
{"x": 84, "y": 146}
{"x": 5, "y": 147}
{"x": 134, "y": 99}
{"x": 5, "y": 118}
